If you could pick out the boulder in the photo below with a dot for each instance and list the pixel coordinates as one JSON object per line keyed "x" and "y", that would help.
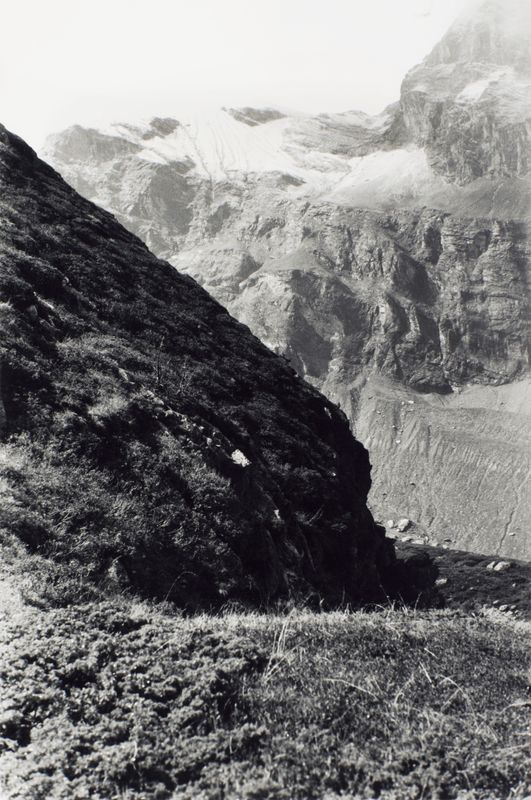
{"x": 403, "y": 524}
{"x": 502, "y": 566}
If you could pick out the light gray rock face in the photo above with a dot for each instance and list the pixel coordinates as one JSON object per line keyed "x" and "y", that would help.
{"x": 2, "y": 409}
{"x": 458, "y": 464}
{"x": 469, "y": 102}
{"x": 387, "y": 257}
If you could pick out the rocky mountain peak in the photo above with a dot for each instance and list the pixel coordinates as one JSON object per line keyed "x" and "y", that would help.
{"x": 161, "y": 126}
{"x": 493, "y": 32}
{"x": 255, "y": 116}
{"x": 468, "y": 104}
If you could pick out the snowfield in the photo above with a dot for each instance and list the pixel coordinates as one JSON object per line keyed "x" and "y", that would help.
{"x": 220, "y": 146}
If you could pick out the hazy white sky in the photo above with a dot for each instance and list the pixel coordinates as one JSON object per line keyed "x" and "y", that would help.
{"x": 67, "y": 61}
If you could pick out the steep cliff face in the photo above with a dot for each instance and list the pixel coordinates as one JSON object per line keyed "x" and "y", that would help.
{"x": 148, "y": 438}
{"x": 393, "y": 246}
{"x": 469, "y": 102}
{"x": 424, "y": 298}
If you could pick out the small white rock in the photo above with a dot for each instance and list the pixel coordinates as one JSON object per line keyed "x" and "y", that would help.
{"x": 441, "y": 581}
{"x": 239, "y": 458}
{"x": 390, "y": 523}
{"x": 502, "y": 566}
{"x": 491, "y": 565}
{"x": 403, "y": 524}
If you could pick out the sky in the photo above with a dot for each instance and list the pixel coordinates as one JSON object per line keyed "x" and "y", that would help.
{"x": 71, "y": 61}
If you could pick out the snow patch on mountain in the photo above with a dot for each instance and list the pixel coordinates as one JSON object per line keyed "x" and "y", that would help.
{"x": 221, "y": 146}
{"x": 392, "y": 170}
{"x": 475, "y": 91}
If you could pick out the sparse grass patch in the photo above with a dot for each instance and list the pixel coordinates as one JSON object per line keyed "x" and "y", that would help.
{"x": 396, "y": 705}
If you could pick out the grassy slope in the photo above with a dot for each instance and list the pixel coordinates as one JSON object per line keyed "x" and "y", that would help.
{"x": 114, "y": 698}
{"x": 150, "y": 436}
{"x": 124, "y": 700}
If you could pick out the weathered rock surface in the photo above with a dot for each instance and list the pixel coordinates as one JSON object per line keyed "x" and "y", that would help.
{"x": 150, "y": 440}
{"x": 394, "y": 246}
{"x": 462, "y": 469}
{"x": 469, "y": 102}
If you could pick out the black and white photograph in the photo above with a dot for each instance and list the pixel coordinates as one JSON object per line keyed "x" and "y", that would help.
{"x": 265, "y": 400}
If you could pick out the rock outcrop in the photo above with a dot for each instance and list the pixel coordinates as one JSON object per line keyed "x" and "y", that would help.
{"x": 393, "y": 247}
{"x": 469, "y": 102}
{"x": 2, "y": 409}
{"x": 151, "y": 440}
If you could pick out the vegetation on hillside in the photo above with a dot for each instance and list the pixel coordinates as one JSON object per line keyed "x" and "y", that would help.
{"x": 150, "y": 438}
{"x": 123, "y": 700}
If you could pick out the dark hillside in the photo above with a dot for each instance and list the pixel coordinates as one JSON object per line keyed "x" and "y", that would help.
{"x": 149, "y": 441}
{"x": 472, "y": 582}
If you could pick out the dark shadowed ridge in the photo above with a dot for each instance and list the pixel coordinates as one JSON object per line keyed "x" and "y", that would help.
{"x": 149, "y": 441}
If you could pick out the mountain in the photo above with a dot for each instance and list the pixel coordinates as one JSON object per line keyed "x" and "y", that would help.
{"x": 150, "y": 442}
{"x": 387, "y": 257}
{"x": 469, "y": 102}
{"x": 456, "y": 140}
